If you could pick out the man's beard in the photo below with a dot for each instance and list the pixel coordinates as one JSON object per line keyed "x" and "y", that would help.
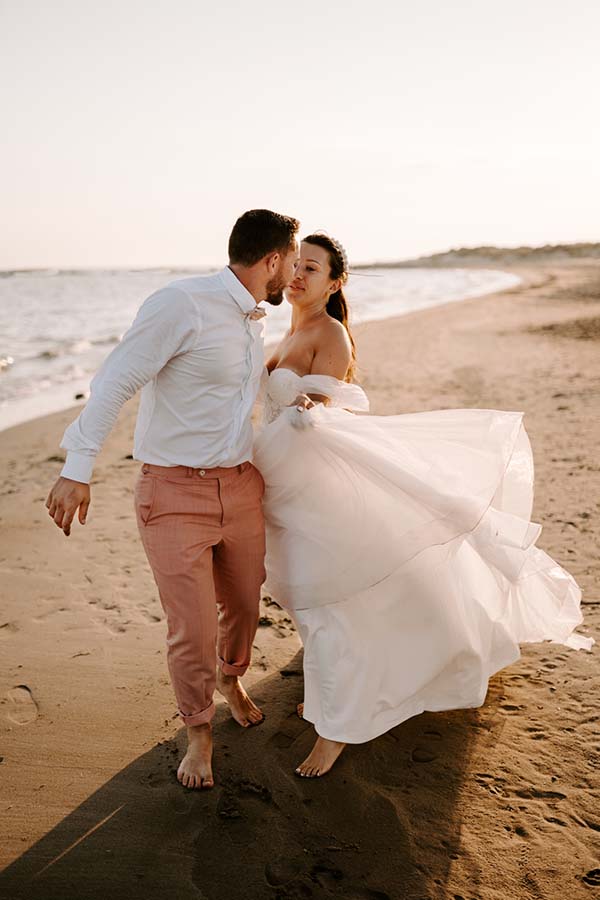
{"x": 275, "y": 288}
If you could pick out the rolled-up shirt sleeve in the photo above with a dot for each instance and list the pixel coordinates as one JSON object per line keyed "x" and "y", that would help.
{"x": 167, "y": 324}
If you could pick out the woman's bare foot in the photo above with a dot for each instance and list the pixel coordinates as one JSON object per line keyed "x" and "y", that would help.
{"x": 243, "y": 710}
{"x": 300, "y": 710}
{"x": 195, "y": 769}
{"x": 321, "y": 758}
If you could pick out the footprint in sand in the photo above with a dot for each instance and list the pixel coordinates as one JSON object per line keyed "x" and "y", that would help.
{"x": 282, "y": 871}
{"x": 291, "y": 729}
{"x": 182, "y": 802}
{"x": 23, "y": 709}
{"x": 532, "y": 793}
{"x": 424, "y": 754}
{"x": 535, "y": 733}
{"x": 296, "y": 878}
{"x": 235, "y": 794}
{"x": 421, "y": 754}
{"x": 326, "y": 876}
{"x": 150, "y": 617}
{"x": 156, "y": 778}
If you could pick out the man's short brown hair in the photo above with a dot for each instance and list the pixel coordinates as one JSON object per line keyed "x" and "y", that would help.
{"x": 260, "y": 232}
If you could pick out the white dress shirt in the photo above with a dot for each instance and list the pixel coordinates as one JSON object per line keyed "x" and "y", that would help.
{"x": 197, "y": 355}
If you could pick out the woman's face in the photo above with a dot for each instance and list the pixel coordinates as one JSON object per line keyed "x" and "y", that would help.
{"x": 312, "y": 282}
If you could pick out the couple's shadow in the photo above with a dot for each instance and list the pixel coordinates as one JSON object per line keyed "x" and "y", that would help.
{"x": 384, "y": 823}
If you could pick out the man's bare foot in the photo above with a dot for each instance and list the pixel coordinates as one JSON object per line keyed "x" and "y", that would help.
{"x": 321, "y": 758}
{"x": 300, "y": 710}
{"x": 195, "y": 769}
{"x": 243, "y": 710}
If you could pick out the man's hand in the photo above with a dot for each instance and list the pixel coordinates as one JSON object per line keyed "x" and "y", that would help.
{"x": 65, "y": 498}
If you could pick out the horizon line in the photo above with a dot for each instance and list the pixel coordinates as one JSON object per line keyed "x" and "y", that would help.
{"x": 479, "y": 248}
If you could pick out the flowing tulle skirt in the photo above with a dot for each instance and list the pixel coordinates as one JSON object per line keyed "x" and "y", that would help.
{"x": 402, "y": 546}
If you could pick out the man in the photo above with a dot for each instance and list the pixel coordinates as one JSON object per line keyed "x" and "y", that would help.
{"x": 196, "y": 351}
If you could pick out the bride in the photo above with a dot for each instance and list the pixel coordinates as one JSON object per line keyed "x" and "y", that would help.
{"x": 401, "y": 545}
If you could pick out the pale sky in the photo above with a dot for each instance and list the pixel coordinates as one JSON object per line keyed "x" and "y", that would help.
{"x": 135, "y": 132}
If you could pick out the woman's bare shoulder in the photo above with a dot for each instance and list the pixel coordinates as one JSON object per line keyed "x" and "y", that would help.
{"x": 332, "y": 331}
{"x": 333, "y": 351}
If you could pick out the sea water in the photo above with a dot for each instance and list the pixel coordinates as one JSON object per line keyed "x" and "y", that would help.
{"x": 57, "y": 327}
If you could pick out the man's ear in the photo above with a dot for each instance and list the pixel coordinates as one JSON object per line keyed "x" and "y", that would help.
{"x": 272, "y": 261}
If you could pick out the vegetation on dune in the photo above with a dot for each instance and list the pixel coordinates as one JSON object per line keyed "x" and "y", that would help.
{"x": 487, "y": 255}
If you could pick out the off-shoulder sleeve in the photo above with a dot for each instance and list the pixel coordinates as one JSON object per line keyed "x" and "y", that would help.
{"x": 340, "y": 393}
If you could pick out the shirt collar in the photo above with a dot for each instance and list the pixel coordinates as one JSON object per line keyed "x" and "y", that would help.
{"x": 240, "y": 294}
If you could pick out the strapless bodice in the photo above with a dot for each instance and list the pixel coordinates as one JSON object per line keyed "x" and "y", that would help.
{"x": 284, "y": 385}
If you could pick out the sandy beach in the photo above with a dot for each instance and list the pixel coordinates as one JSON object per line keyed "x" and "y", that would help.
{"x": 488, "y": 804}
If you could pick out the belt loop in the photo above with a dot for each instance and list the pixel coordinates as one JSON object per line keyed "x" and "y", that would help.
{"x": 189, "y": 471}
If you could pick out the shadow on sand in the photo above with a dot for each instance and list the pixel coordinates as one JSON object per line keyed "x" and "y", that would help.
{"x": 383, "y": 824}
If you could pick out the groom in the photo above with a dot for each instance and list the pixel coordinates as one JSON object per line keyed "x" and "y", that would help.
{"x": 196, "y": 351}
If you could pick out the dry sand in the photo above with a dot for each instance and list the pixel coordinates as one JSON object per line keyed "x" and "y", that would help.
{"x": 495, "y": 803}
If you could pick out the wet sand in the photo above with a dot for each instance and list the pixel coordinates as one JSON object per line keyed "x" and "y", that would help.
{"x": 494, "y": 803}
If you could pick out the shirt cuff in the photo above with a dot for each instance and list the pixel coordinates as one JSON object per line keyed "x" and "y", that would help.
{"x": 78, "y": 467}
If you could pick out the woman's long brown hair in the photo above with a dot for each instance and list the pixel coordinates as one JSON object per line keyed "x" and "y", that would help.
{"x": 337, "y": 305}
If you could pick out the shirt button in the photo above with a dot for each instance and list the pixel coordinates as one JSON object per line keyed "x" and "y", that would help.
{"x": 202, "y": 472}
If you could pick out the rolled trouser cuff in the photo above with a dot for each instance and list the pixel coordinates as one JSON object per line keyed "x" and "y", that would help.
{"x": 200, "y": 718}
{"x": 229, "y": 669}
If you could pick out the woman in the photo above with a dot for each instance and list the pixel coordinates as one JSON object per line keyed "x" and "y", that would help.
{"x": 401, "y": 545}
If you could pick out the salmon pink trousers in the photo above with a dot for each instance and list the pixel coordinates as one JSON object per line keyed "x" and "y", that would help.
{"x": 204, "y": 535}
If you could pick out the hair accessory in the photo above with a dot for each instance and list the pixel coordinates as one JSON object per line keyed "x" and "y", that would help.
{"x": 337, "y": 246}
{"x": 344, "y": 256}
{"x": 341, "y": 250}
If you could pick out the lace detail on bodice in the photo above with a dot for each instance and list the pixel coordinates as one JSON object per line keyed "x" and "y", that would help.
{"x": 282, "y": 389}
{"x": 284, "y": 386}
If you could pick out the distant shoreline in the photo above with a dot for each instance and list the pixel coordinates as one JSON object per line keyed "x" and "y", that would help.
{"x": 457, "y": 256}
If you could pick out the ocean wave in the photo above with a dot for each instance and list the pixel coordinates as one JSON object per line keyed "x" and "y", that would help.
{"x": 76, "y": 348}
{"x": 112, "y": 339}
{"x": 28, "y": 273}
{"x": 144, "y": 270}
{"x": 70, "y": 348}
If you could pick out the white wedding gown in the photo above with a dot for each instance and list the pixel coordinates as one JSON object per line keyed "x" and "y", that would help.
{"x": 402, "y": 546}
